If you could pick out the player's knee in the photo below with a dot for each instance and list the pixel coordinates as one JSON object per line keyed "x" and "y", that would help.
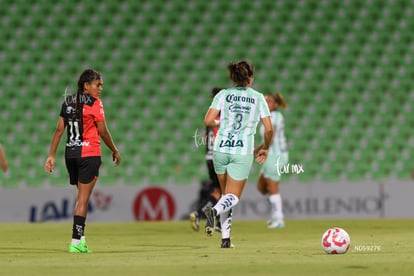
{"x": 261, "y": 188}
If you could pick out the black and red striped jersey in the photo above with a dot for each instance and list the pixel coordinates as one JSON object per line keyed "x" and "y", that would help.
{"x": 82, "y": 133}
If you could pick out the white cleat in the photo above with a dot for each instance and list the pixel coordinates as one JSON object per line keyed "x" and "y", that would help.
{"x": 275, "y": 224}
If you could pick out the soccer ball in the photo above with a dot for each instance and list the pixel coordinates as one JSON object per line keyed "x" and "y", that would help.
{"x": 335, "y": 241}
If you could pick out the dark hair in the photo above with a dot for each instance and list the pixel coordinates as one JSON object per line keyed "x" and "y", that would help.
{"x": 87, "y": 76}
{"x": 215, "y": 91}
{"x": 241, "y": 72}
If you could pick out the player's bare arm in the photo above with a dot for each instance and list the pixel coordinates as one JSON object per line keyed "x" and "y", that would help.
{"x": 50, "y": 161}
{"x": 107, "y": 138}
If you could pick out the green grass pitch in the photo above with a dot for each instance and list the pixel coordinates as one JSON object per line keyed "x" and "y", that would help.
{"x": 378, "y": 247}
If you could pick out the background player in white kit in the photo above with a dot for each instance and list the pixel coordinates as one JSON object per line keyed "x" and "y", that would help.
{"x": 268, "y": 183}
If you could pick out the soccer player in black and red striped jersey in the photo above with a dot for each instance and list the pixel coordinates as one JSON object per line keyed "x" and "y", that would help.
{"x": 211, "y": 191}
{"x": 84, "y": 119}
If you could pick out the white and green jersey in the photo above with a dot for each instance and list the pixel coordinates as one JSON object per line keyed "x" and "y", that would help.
{"x": 279, "y": 140}
{"x": 241, "y": 109}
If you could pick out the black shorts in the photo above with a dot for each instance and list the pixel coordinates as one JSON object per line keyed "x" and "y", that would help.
{"x": 83, "y": 170}
{"x": 212, "y": 173}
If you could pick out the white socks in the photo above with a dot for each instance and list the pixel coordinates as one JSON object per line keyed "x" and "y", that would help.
{"x": 225, "y": 221}
{"x": 224, "y": 209}
{"x": 76, "y": 241}
{"x": 225, "y": 203}
{"x": 276, "y": 206}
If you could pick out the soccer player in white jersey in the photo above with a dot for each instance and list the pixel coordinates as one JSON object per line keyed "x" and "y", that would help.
{"x": 268, "y": 183}
{"x": 241, "y": 108}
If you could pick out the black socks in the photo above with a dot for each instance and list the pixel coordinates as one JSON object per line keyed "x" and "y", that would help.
{"x": 78, "y": 227}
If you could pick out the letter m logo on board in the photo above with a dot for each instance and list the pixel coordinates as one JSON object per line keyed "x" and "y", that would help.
{"x": 154, "y": 204}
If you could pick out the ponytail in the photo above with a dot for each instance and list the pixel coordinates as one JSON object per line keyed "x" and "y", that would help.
{"x": 241, "y": 72}
{"x": 89, "y": 75}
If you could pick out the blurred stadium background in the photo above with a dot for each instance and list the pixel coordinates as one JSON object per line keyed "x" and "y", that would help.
{"x": 345, "y": 68}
